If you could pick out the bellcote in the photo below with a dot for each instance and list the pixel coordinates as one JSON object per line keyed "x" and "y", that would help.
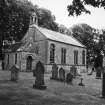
{"x": 33, "y": 19}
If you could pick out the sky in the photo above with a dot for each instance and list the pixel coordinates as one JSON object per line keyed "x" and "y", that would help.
{"x": 59, "y": 8}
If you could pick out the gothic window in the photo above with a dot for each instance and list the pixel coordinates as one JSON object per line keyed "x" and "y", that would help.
{"x": 63, "y": 56}
{"x": 8, "y": 59}
{"x": 52, "y": 53}
{"x": 15, "y": 58}
{"x": 75, "y": 57}
{"x": 83, "y": 57}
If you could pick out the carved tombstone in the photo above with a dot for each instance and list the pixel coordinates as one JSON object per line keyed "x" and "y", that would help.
{"x": 69, "y": 78}
{"x": 14, "y": 73}
{"x": 73, "y": 71}
{"x": 61, "y": 74}
{"x": 39, "y": 73}
{"x": 54, "y": 72}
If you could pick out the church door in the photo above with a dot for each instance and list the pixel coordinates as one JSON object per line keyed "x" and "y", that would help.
{"x": 29, "y": 64}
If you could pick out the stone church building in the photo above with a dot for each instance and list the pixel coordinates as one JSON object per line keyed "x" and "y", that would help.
{"x": 49, "y": 47}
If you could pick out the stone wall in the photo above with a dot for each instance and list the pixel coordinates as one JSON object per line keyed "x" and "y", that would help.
{"x": 69, "y": 53}
{"x": 69, "y": 56}
{"x": 9, "y": 62}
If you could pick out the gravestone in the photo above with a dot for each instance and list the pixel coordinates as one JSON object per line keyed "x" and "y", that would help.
{"x": 98, "y": 73}
{"x": 39, "y": 74}
{"x": 61, "y": 74}
{"x": 73, "y": 71}
{"x": 81, "y": 83}
{"x": 14, "y": 73}
{"x": 54, "y": 72}
{"x": 69, "y": 78}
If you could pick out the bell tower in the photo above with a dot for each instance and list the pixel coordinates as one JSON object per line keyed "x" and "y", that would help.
{"x": 33, "y": 19}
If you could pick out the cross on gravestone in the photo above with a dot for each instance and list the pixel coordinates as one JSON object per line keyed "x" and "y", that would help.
{"x": 73, "y": 71}
{"x": 81, "y": 83}
{"x": 61, "y": 74}
{"x": 54, "y": 72}
{"x": 14, "y": 73}
{"x": 39, "y": 74}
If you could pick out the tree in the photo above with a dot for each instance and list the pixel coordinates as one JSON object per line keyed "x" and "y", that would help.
{"x": 64, "y": 30}
{"x": 79, "y": 6}
{"x": 46, "y": 19}
{"x": 14, "y": 20}
{"x": 84, "y": 33}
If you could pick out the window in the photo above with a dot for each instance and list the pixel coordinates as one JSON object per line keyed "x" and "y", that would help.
{"x": 76, "y": 57}
{"x": 8, "y": 59}
{"x": 52, "y": 53}
{"x": 83, "y": 57}
{"x": 15, "y": 58}
{"x": 63, "y": 56}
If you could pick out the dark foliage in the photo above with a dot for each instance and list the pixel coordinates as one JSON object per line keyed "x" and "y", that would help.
{"x": 79, "y": 6}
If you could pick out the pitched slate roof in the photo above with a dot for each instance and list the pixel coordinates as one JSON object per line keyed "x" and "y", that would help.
{"x": 56, "y": 36}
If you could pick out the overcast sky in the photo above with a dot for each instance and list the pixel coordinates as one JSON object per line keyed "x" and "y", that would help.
{"x": 59, "y": 9}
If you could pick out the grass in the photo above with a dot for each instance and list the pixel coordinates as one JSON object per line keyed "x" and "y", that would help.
{"x": 57, "y": 93}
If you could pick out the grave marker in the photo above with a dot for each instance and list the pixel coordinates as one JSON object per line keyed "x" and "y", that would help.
{"x": 61, "y": 74}
{"x": 14, "y": 73}
{"x": 39, "y": 74}
{"x": 73, "y": 71}
{"x": 54, "y": 72}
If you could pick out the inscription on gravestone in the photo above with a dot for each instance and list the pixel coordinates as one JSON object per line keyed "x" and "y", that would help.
{"x": 54, "y": 72}
{"x": 73, "y": 71}
{"x": 69, "y": 78}
{"x": 14, "y": 73}
{"x": 61, "y": 74}
{"x": 39, "y": 74}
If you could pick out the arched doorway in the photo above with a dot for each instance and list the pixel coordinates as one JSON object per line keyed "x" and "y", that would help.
{"x": 29, "y": 63}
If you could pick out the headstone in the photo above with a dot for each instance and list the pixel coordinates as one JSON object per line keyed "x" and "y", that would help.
{"x": 103, "y": 85}
{"x": 73, "y": 71}
{"x": 61, "y": 74}
{"x": 69, "y": 78}
{"x": 14, "y": 73}
{"x": 54, "y": 72}
{"x": 98, "y": 73}
{"x": 39, "y": 74}
{"x": 81, "y": 83}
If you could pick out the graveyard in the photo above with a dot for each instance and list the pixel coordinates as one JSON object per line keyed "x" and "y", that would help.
{"x": 21, "y": 92}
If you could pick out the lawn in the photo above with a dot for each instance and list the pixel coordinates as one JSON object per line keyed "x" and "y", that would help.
{"x": 57, "y": 93}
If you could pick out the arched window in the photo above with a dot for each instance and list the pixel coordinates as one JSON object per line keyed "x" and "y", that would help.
{"x": 63, "y": 55}
{"x": 52, "y": 53}
{"x": 83, "y": 57}
{"x": 8, "y": 59}
{"x": 75, "y": 57}
{"x": 15, "y": 58}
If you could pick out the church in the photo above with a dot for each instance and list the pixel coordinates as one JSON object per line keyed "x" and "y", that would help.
{"x": 47, "y": 46}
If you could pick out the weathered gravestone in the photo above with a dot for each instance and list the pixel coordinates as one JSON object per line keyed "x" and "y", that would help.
{"x": 69, "y": 78}
{"x": 98, "y": 73}
{"x": 73, "y": 71}
{"x": 81, "y": 83}
{"x": 39, "y": 74}
{"x": 54, "y": 72}
{"x": 14, "y": 73}
{"x": 61, "y": 74}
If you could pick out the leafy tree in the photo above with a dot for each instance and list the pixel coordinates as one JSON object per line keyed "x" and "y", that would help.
{"x": 14, "y": 20}
{"x": 64, "y": 30}
{"x": 84, "y": 33}
{"x": 46, "y": 19}
{"x": 79, "y": 6}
